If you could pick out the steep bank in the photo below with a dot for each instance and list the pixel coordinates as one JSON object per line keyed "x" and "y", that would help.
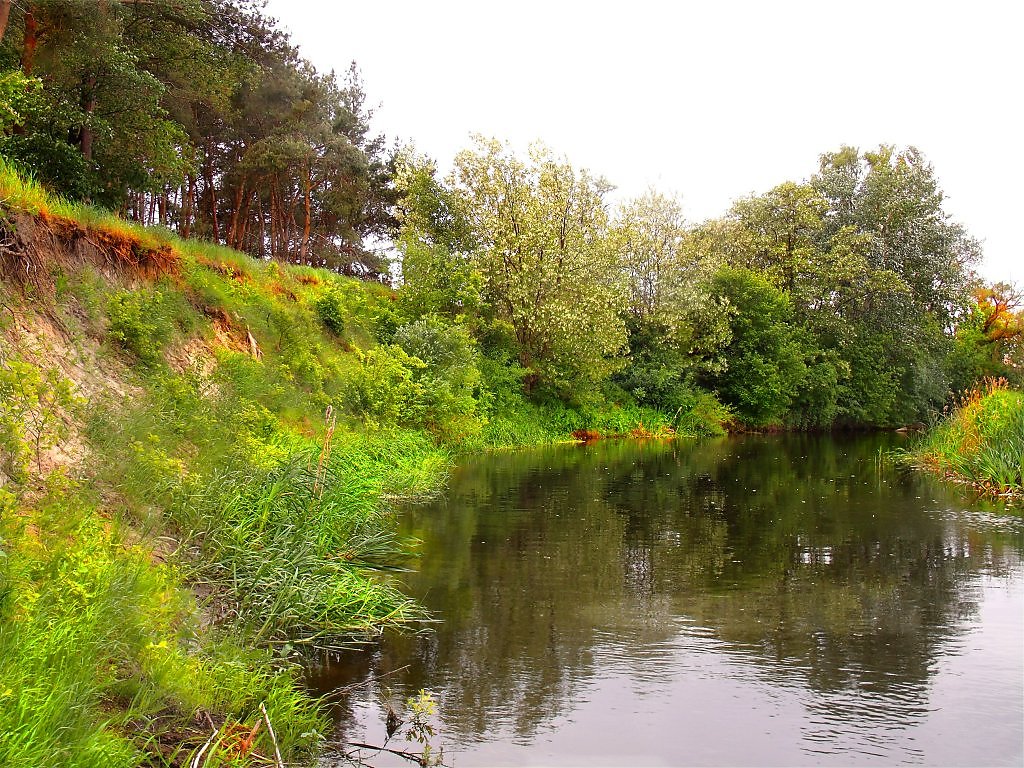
{"x": 177, "y": 516}
{"x": 199, "y": 456}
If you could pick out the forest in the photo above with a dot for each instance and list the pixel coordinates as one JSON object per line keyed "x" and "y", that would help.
{"x": 238, "y": 329}
{"x": 846, "y": 299}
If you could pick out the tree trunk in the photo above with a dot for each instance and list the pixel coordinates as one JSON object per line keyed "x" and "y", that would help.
{"x": 273, "y": 224}
{"x": 188, "y": 206}
{"x": 263, "y": 225}
{"x": 88, "y": 107}
{"x": 5, "y": 13}
{"x": 243, "y": 227}
{"x": 304, "y": 245}
{"x": 235, "y": 213}
{"x": 208, "y": 178}
{"x": 28, "y": 48}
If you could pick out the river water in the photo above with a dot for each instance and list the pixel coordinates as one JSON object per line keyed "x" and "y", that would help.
{"x": 777, "y": 600}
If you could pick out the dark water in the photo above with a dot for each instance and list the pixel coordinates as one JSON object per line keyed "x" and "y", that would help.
{"x": 745, "y": 601}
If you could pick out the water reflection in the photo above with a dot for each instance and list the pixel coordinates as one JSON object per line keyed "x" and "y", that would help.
{"x": 743, "y": 601}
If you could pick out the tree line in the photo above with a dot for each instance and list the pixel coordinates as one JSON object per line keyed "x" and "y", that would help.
{"x": 845, "y": 299}
{"x": 198, "y": 115}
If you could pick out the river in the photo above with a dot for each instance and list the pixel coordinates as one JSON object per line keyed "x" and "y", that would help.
{"x": 754, "y": 600}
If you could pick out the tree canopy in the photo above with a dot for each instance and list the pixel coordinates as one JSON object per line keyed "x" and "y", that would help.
{"x": 199, "y": 115}
{"x": 847, "y": 298}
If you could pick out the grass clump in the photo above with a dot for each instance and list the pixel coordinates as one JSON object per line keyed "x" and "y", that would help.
{"x": 518, "y": 421}
{"x": 981, "y": 442}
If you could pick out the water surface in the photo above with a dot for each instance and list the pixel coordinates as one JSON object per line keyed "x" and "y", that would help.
{"x": 783, "y": 600}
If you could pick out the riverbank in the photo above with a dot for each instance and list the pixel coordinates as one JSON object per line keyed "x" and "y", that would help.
{"x": 179, "y": 522}
{"x": 979, "y": 443}
{"x": 200, "y": 456}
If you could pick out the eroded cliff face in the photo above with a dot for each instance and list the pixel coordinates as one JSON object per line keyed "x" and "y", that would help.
{"x": 35, "y": 248}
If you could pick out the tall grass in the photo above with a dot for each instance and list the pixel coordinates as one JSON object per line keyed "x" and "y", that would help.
{"x": 981, "y": 442}
{"x": 99, "y": 661}
{"x": 300, "y": 556}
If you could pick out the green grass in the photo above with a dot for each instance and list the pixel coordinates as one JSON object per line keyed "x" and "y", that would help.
{"x": 521, "y": 422}
{"x": 981, "y": 442}
{"x": 100, "y": 663}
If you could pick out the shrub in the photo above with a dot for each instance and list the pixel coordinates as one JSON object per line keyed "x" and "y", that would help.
{"x": 450, "y": 376}
{"x": 382, "y": 387}
{"x": 981, "y": 442}
{"x": 137, "y": 323}
{"x": 32, "y": 402}
{"x": 331, "y": 310}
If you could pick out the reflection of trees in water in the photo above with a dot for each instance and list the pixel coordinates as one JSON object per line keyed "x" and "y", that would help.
{"x": 792, "y": 550}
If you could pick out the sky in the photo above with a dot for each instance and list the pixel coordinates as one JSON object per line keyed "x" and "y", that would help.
{"x": 711, "y": 101}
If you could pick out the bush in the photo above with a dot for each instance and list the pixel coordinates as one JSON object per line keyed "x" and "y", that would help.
{"x": 32, "y": 402}
{"x": 382, "y": 388}
{"x": 330, "y": 308}
{"x": 450, "y": 376}
{"x": 765, "y": 358}
{"x": 981, "y": 442}
{"x": 137, "y": 323}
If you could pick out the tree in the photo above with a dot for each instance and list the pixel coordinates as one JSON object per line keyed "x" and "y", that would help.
{"x": 549, "y": 268}
{"x": 990, "y": 339}
{"x": 97, "y": 98}
{"x": 676, "y": 327}
{"x": 782, "y": 228}
{"x": 199, "y": 115}
{"x": 765, "y": 360}
{"x": 436, "y": 244}
{"x": 893, "y": 198}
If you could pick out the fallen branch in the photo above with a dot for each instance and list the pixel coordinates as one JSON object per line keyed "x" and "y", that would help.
{"x": 414, "y": 757}
{"x": 273, "y": 736}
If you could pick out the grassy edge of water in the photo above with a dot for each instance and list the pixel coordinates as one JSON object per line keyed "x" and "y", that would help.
{"x": 979, "y": 443}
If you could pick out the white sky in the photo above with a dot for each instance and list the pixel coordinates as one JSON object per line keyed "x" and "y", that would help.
{"x": 708, "y": 100}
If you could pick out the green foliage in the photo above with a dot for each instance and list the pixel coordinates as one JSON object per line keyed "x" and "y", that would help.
{"x": 450, "y": 378}
{"x": 892, "y": 198}
{"x": 330, "y": 308}
{"x": 293, "y": 548}
{"x": 989, "y": 341}
{"x": 436, "y": 242}
{"x": 381, "y": 387}
{"x": 436, "y": 281}
{"x": 86, "y": 620}
{"x": 765, "y": 359}
{"x": 816, "y": 403}
{"x": 137, "y": 323}
{"x": 547, "y": 262}
{"x": 16, "y": 95}
{"x": 980, "y": 442}
{"x": 34, "y": 403}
